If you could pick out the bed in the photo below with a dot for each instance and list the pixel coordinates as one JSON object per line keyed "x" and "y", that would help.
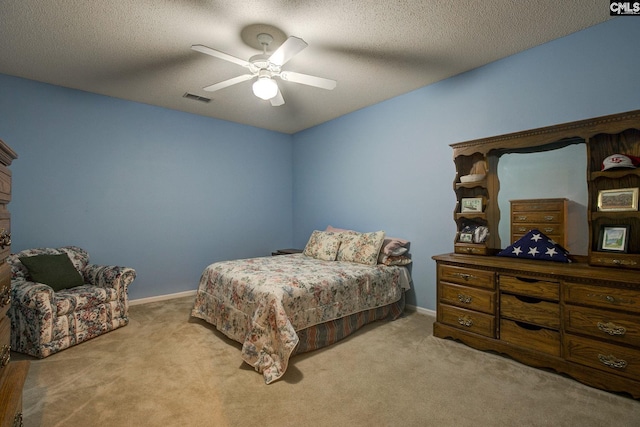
{"x": 288, "y": 304}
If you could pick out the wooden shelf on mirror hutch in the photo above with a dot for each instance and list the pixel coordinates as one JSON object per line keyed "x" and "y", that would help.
{"x": 614, "y": 184}
{"x": 477, "y": 189}
{"x": 580, "y": 318}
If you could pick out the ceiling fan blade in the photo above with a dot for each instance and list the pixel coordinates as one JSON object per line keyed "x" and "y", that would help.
{"x": 306, "y": 79}
{"x": 221, "y": 55}
{"x": 227, "y": 83}
{"x": 277, "y": 100}
{"x": 287, "y": 50}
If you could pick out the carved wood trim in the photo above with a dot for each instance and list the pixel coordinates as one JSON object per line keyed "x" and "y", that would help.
{"x": 542, "y": 136}
{"x": 7, "y": 155}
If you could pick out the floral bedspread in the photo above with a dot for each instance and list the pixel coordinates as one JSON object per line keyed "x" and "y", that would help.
{"x": 262, "y": 302}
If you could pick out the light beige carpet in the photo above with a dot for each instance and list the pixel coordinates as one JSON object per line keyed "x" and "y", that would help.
{"x": 166, "y": 369}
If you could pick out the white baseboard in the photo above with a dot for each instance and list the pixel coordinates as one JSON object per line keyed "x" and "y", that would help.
{"x": 161, "y": 297}
{"x": 420, "y": 310}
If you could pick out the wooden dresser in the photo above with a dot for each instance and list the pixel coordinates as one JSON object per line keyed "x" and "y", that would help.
{"x": 577, "y": 319}
{"x": 580, "y": 318}
{"x": 12, "y": 374}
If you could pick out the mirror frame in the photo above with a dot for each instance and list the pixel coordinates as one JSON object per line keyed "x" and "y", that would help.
{"x": 531, "y": 141}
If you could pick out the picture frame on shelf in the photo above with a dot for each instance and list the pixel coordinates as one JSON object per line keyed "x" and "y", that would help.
{"x": 465, "y": 238}
{"x": 471, "y": 205}
{"x": 614, "y": 238}
{"x": 618, "y": 200}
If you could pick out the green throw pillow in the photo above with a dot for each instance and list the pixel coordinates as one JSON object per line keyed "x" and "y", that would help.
{"x": 56, "y": 271}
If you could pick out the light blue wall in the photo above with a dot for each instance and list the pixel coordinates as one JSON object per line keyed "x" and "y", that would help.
{"x": 162, "y": 191}
{"x": 168, "y": 192}
{"x": 390, "y": 166}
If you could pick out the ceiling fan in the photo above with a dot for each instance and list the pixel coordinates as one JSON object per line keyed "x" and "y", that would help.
{"x": 265, "y": 67}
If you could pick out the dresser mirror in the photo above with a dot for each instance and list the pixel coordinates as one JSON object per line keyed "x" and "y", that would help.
{"x": 556, "y": 167}
{"x": 557, "y": 173}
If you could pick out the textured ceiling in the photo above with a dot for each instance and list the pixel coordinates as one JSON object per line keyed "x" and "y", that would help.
{"x": 139, "y": 50}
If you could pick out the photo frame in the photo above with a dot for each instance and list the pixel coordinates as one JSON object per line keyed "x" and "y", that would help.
{"x": 466, "y": 237}
{"x": 622, "y": 199}
{"x": 614, "y": 238}
{"x": 471, "y": 204}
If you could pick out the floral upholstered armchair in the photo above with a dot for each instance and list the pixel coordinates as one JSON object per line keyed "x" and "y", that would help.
{"x": 80, "y": 301}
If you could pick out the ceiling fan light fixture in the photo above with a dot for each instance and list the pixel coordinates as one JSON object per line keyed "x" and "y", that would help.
{"x": 265, "y": 88}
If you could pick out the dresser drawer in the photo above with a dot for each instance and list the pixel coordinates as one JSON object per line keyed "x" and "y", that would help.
{"x": 604, "y": 356}
{"x": 618, "y": 260}
{"x": 610, "y": 325}
{"x": 600, "y": 296}
{"x": 538, "y": 205}
{"x": 468, "y": 297}
{"x": 467, "y": 276}
{"x": 552, "y": 231}
{"x": 471, "y": 248}
{"x": 530, "y": 336}
{"x": 529, "y": 287}
{"x": 530, "y": 310}
{"x": 467, "y": 320}
{"x": 537, "y": 218}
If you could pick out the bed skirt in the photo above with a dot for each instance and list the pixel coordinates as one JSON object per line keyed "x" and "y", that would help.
{"x": 325, "y": 334}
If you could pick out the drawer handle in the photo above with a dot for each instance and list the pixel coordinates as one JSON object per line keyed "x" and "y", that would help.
{"x": 465, "y": 321}
{"x": 464, "y": 276}
{"x": 5, "y": 357}
{"x": 611, "y": 299}
{"x": 549, "y": 218}
{"x": 465, "y": 299}
{"x": 549, "y": 230}
{"x": 612, "y": 329}
{"x": 523, "y": 229}
{"x": 522, "y": 218}
{"x": 612, "y": 362}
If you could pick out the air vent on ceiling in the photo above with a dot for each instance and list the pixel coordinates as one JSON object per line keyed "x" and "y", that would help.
{"x": 196, "y": 97}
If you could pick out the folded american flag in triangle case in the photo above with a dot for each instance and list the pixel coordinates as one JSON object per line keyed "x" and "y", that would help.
{"x": 536, "y": 245}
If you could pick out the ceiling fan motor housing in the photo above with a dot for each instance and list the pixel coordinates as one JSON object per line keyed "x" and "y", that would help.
{"x": 261, "y": 62}
{"x": 267, "y": 66}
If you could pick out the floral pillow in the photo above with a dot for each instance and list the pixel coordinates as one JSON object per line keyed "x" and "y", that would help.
{"x": 394, "y": 260}
{"x": 393, "y": 250}
{"x": 362, "y": 248}
{"x": 322, "y": 245}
